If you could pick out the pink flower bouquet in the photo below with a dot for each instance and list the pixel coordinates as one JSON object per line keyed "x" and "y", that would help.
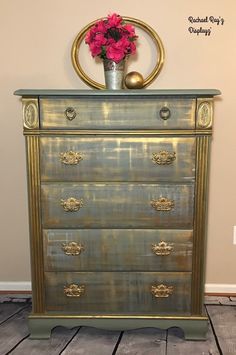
{"x": 111, "y": 38}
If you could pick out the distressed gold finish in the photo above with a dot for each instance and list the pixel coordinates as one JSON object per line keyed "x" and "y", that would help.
{"x": 108, "y": 114}
{"x": 74, "y": 290}
{"x": 164, "y": 157}
{"x": 154, "y": 132}
{"x": 71, "y": 158}
{"x": 117, "y": 316}
{"x": 72, "y": 204}
{"x": 202, "y": 166}
{"x": 30, "y": 113}
{"x": 163, "y": 204}
{"x": 162, "y": 291}
{"x": 140, "y": 265}
{"x": 204, "y": 113}
{"x": 145, "y": 27}
{"x": 72, "y": 248}
{"x": 162, "y": 248}
{"x": 36, "y": 242}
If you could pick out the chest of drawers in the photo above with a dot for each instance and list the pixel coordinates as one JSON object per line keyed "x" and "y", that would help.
{"x": 117, "y": 203}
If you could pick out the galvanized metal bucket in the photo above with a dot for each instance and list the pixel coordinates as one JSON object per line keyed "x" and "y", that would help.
{"x": 114, "y": 74}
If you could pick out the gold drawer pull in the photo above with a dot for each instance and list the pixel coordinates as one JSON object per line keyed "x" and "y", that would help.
{"x": 72, "y": 248}
{"x": 74, "y": 290}
{"x": 163, "y": 204}
{"x": 70, "y": 113}
{"x": 162, "y": 248}
{"x": 165, "y": 113}
{"x": 164, "y": 157}
{"x": 71, "y": 158}
{"x": 161, "y": 291}
{"x": 72, "y": 204}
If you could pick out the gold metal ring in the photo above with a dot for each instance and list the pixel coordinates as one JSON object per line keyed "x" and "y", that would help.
{"x": 81, "y": 35}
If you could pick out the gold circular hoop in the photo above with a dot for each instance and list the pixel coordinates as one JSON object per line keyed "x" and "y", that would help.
{"x": 79, "y": 38}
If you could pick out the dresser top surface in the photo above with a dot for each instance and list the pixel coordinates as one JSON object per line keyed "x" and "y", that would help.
{"x": 117, "y": 93}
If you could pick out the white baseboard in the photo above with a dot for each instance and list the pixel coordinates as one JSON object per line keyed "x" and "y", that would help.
{"x": 15, "y": 286}
{"x": 220, "y": 288}
{"x": 26, "y": 286}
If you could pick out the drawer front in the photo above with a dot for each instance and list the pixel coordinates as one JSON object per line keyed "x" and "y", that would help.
{"x": 116, "y": 113}
{"x": 117, "y": 159}
{"x": 69, "y": 205}
{"x": 117, "y": 250}
{"x": 118, "y": 293}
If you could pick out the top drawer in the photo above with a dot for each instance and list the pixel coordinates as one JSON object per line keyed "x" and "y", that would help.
{"x": 117, "y": 113}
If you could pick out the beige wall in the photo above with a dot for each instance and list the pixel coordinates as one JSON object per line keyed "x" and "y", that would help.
{"x": 35, "y": 43}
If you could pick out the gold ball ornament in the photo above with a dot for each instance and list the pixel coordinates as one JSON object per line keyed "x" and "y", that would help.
{"x": 134, "y": 80}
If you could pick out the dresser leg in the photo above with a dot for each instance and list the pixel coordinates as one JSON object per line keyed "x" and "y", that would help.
{"x": 195, "y": 330}
{"x": 39, "y": 330}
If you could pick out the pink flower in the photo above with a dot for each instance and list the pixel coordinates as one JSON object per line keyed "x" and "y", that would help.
{"x": 101, "y": 27}
{"x": 95, "y": 50}
{"x": 115, "y": 53}
{"x": 114, "y": 20}
{"x": 130, "y": 30}
{"x": 111, "y": 39}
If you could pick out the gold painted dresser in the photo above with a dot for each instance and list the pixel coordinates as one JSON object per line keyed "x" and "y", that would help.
{"x": 117, "y": 206}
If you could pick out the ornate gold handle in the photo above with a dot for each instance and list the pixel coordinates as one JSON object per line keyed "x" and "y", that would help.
{"x": 70, "y": 113}
{"x": 72, "y": 248}
{"x": 163, "y": 204}
{"x": 165, "y": 113}
{"x": 161, "y": 291}
{"x": 162, "y": 248}
{"x": 74, "y": 290}
{"x": 70, "y": 157}
{"x": 72, "y": 204}
{"x": 164, "y": 157}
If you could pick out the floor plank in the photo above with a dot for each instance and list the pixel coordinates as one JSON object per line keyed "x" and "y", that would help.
{"x": 59, "y": 339}
{"x": 211, "y": 300}
{"x": 9, "y": 309}
{"x": 148, "y": 341}
{"x": 177, "y": 345}
{"x": 14, "y": 330}
{"x": 91, "y": 341}
{"x": 223, "y": 319}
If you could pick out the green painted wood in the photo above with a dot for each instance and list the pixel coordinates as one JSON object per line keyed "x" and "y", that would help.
{"x": 118, "y": 293}
{"x": 223, "y": 319}
{"x": 177, "y": 345}
{"x": 59, "y": 339}
{"x": 92, "y": 341}
{"x": 56, "y": 92}
{"x": 143, "y": 342}
{"x": 194, "y": 328}
{"x": 111, "y": 205}
{"x": 117, "y": 113}
{"x": 117, "y": 250}
{"x": 14, "y": 330}
{"x": 117, "y": 159}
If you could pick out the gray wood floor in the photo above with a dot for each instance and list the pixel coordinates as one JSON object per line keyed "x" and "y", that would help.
{"x": 14, "y": 334}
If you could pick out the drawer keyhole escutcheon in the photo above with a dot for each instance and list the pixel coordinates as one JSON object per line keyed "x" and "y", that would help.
{"x": 70, "y": 113}
{"x": 72, "y": 248}
{"x": 74, "y": 290}
{"x": 163, "y": 157}
{"x": 72, "y": 204}
{"x": 165, "y": 113}
{"x": 161, "y": 291}
{"x": 162, "y": 248}
{"x": 162, "y": 204}
{"x": 71, "y": 157}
